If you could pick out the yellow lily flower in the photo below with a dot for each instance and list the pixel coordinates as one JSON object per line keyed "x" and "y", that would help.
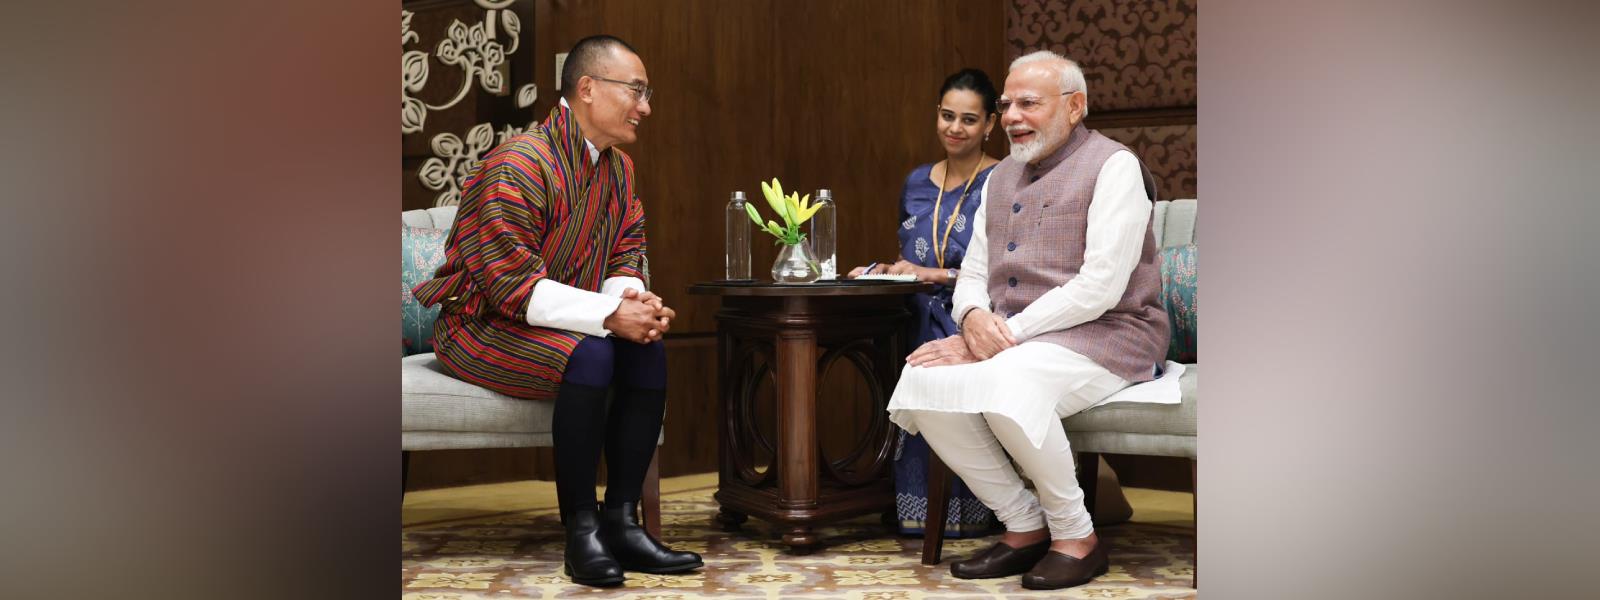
{"x": 792, "y": 202}
{"x": 789, "y": 212}
{"x": 775, "y": 199}
{"x": 806, "y": 213}
{"x": 766, "y": 192}
{"x": 792, "y": 208}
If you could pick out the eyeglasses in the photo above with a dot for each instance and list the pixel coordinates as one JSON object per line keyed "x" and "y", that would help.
{"x": 641, "y": 92}
{"x": 1027, "y": 104}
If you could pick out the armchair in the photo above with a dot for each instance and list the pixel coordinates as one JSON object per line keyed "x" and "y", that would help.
{"x": 439, "y": 412}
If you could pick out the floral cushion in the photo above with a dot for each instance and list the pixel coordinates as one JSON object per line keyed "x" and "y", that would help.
{"x": 421, "y": 253}
{"x": 1179, "y": 278}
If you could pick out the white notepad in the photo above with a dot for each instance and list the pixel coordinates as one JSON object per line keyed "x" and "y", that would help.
{"x": 887, "y": 277}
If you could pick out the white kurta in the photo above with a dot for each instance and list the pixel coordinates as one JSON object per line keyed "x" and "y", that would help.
{"x": 1037, "y": 383}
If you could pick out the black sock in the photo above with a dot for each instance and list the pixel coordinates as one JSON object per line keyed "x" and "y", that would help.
{"x": 631, "y": 433}
{"x": 579, "y": 431}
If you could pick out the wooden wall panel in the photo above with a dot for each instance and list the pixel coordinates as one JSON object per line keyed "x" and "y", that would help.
{"x": 833, "y": 94}
{"x": 855, "y": 112}
{"x": 823, "y": 93}
{"x": 705, "y": 137}
{"x": 690, "y": 445}
{"x": 840, "y": 95}
{"x": 856, "y": 104}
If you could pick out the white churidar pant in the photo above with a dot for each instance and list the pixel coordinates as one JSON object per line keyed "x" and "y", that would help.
{"x": 972, "y": 415}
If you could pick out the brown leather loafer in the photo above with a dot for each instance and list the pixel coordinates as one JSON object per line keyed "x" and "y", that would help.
{"x": 1000, "y": 560}
{"x": 1057, "y": 570}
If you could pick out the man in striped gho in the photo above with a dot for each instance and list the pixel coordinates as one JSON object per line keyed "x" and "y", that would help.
{"x": 1058, "y": 302}
{"x": 543, "y": 298}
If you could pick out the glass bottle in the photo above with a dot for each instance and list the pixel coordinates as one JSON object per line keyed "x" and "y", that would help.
{"x": 736, "y": 262}
{"x": 823, "y": 239}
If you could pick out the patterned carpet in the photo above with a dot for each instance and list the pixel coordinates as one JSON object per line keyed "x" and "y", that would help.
{"x": 519, "y": 556}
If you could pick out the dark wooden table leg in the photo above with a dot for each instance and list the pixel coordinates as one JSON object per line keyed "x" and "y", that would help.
{"x": 797, "y": 429}
{"x": 1089, "y": 478}
{"x": 796, "y": 322}
{"x": 938, "y": 500}
{"x": 728, "y": 380}
{"x": 729, "y": 519}
{"x": 802, "y": 539}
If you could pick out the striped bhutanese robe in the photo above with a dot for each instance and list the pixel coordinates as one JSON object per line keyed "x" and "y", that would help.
{"x": 535, "y": 209}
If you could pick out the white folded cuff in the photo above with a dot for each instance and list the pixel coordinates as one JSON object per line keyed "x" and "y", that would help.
{"x": 561, "y": 306}
{"x": 1016, "y": 329}
{"x": 614, "y": 286}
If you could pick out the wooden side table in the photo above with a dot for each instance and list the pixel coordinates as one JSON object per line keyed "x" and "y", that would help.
{"x": 778, "y": 329}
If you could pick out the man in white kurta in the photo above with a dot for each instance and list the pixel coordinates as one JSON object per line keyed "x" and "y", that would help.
{"x": 1005, "y": 383}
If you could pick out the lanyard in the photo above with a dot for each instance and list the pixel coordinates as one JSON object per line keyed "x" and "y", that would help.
{"x": 938, "y": 246}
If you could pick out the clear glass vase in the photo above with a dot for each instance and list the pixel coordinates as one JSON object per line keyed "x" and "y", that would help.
{"x": 796, "y": 264}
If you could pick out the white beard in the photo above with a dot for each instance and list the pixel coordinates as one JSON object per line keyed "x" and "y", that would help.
{"x": 1026, "y": 153}
{"x": 1045, "y": 138}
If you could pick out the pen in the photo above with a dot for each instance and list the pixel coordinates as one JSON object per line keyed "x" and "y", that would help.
{"x": 870, "y": 268}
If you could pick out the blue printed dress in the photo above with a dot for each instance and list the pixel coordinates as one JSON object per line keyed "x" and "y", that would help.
{"x": 930, "y": 315}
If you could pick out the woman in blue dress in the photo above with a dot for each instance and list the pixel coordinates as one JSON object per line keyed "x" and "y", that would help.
{"x": 938, "y": 206}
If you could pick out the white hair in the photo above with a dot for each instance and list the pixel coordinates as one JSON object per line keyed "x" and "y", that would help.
{"x": 1071, "y": 74}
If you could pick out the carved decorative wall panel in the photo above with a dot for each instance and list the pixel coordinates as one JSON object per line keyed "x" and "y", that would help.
{"x": 478, "y": 53}
{"x": 1169, "y": 153}
{"x": 1134, "y": 54}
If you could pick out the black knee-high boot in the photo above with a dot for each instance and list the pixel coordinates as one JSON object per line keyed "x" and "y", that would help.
{"x": 631, "y": 433}
{"x": 579, "y": 428}
{"x": 632, "y": 429}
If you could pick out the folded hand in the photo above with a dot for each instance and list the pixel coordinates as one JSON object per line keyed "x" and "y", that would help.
{"x": 948, "y": 351}
{"x": 646, "y": 297}
{"x": 986, "y": 333}
{"x": 642, "y": 317}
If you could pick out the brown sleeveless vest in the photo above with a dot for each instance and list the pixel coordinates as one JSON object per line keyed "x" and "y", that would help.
{"x": 1037, "y": 220}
